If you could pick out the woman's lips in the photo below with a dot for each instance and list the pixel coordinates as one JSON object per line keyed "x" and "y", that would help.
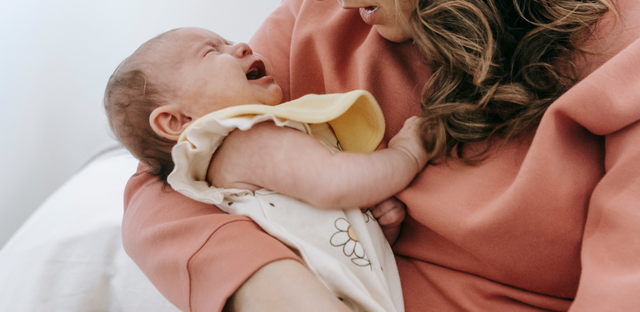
{"x": 369, "y": 14}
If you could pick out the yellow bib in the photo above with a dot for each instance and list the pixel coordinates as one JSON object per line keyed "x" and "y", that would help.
{"x": 355, "y": 117}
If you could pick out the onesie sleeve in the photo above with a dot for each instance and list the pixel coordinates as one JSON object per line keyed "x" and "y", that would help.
{"x": 196, "y": 147}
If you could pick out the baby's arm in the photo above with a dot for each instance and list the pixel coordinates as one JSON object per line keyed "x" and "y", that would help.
{"x": 295, "y": 164}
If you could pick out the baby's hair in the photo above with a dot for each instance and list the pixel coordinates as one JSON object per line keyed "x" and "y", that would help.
{"x": 129, "y": 99}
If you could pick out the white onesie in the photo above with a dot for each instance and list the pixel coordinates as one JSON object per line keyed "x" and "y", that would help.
{"x": 345, "y": 249}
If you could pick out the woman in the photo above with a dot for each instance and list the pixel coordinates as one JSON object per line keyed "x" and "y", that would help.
{"x": 537, "y": 213}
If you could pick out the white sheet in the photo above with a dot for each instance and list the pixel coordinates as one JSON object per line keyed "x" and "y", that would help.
{"x": 69, "y": 257}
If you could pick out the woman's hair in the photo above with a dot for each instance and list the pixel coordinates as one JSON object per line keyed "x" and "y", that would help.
{"x": 129, "y": 99}
{"x": 496, "y": 66}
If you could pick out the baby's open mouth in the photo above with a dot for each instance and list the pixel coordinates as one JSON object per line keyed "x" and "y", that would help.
{"x": 257, "y": 70}
{"x": 371, "y": 8}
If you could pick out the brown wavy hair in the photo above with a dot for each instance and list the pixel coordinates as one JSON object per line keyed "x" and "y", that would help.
{"x": 496, "y": 65}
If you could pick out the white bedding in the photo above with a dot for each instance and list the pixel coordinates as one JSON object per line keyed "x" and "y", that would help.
{"x": 69, "y": 257}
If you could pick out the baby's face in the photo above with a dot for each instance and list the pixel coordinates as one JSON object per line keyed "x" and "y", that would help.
{"x": 212, "y": 74}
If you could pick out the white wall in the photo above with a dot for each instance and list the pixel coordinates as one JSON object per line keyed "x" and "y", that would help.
{"x": 55, "y": 59}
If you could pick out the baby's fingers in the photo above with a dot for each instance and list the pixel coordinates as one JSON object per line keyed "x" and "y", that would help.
{"x": 412, "y": 122}
{"x": 390, "y": 212}
{"x": 409, "y": 139}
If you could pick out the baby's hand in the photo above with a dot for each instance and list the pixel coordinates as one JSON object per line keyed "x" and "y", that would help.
{"x": 408, "y": 140}
{"x": 390, "y": 214}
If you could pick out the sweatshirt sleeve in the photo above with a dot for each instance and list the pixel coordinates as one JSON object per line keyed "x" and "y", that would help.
{"x": 610, "y": 279}
{"x": 195, "y": 254}
{"x": 607, "y": 104}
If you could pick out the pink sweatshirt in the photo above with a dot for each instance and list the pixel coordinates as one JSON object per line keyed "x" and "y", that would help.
{"x": 544, "y": 222}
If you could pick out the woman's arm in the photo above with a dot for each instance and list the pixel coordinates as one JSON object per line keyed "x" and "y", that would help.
{"x": 295, "y": 164}
{"x": 195, "y": 255}
{"x": 606, "y": 103}
{"x": 284, "y": 286}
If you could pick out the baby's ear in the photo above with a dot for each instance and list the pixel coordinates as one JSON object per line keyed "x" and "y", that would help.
{"x": 168, "y": 121}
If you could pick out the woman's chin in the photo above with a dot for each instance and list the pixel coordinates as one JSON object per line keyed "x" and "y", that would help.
{"x": 393, "y": 34}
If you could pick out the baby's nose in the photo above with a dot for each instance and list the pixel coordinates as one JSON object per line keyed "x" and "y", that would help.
{"x": 241, "y": 50}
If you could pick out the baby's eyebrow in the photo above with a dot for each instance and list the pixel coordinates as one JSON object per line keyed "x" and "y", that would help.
{"x": 214, "y": 43}
{"x": 228, "y": 42}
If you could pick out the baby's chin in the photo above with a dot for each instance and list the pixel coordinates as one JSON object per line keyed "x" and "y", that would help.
{"x": 276, "y": 97}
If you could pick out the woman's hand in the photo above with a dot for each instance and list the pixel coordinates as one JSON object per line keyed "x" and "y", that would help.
{"x": 284, "y": 286}
{"x": 390, "y": 214}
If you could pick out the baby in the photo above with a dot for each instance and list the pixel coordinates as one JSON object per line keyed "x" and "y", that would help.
{"x": 284, "y": 169}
